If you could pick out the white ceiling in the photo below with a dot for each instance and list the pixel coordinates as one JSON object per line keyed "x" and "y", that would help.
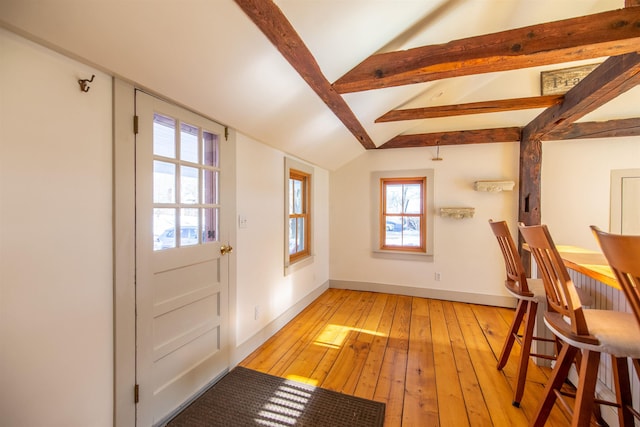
{"x": 208, "y": 55}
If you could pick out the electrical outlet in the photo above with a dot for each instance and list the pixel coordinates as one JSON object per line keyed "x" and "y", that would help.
{"x": 242, "y": 221}
{"x": 256, "y": 312}
{"x": 437, "y": 276}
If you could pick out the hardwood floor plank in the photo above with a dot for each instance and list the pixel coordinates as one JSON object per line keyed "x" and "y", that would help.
{"x": 363, "y": 343}
{"x": 335, "y": 368}
{"x": 477, "y": 411}
{"x": 390, "y": 387}
{"x": 452, "y": 409}
{"x": 284, "y": 346}
{"x": 421, "y": 399}
{"x": 325, "y": 343}
{"x": 433, "y": 363}
{"x": 368, "y": 381}
{"x": 495, "y": 387}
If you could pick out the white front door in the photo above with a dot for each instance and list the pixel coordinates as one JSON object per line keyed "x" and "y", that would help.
{"x": 182, "y": 264}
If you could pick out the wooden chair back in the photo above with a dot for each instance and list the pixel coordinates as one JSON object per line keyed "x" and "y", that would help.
{"x": 562, "y": 297}
{"x": 623, "y": 254}
{"x": 516, "y": 280}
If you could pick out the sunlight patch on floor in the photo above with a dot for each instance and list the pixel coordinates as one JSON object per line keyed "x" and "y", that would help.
{"x": 333, "y": 336}
{"x": 286, "y": 405}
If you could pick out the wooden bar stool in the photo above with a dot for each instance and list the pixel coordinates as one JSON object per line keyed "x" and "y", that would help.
{"x": 590, "y": 332}
{"x": 623, "y": 255}
{"x": 529, "y": 293}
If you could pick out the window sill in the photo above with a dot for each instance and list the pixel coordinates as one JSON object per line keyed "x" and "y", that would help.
{"x": 404, "y": 256}
{"x": 299, "y": 264}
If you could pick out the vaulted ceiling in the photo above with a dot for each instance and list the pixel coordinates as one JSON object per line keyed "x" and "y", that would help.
{"x": 326, "y": 80}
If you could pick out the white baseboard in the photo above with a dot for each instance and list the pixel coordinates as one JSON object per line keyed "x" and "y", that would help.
{"x": 468, "y": 297}
{"x": 260, "y": 337}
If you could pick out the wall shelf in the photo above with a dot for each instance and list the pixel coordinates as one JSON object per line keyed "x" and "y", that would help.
{"x": 457, "y": 213}
{"x": 493, "y": 186}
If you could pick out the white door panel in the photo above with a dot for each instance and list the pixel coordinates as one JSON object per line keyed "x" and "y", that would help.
{"x": 181, "y": 275}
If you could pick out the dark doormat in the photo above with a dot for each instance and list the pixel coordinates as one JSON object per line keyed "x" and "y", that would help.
{"x": 245, "y": 397}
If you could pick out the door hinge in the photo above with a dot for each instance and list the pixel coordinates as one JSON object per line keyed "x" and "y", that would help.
{"x": 136, "y": 393}
{"x": 135, "y": 125}
{"x": 226, "y": 133}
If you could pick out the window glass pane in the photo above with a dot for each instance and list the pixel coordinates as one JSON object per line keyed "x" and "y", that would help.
{"x": 210, "y": 187}
{"x": 164, "y": 224}
{"x": 297, "y": 196}
{"x": 188, "y": 227}
{"x": 393, "y": 231}
{"x": 412, "y": 198}
{"x": 210, "y": 225}
{"x": 188, "y": 143}
{"x": 211, "y": 149}
{"x": 300, "y": 238}
{"x": 292, "y": 236}
{"x": 291, "y": 196}
{"x": 394, "y": 200}
{"x": 411, "y": 232}
{"x": 189, "y": 185}
{"x": 164, "y": 182}
{"x": 164, "y": 136}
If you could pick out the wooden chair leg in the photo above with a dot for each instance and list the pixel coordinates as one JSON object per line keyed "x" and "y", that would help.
{"x": 558, "y": 375}
{"x": 597, "y": 413}
{"x": 513, "y": 331}
{"x": 585, "y": 395}
{"x": 623, "y": 390}
{"x": 525, "y": 351}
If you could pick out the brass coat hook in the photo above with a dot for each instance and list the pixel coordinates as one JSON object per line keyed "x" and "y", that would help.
{"x": 84, "y": 83}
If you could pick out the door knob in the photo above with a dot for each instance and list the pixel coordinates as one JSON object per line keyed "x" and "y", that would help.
{"x": 225, "y": 249}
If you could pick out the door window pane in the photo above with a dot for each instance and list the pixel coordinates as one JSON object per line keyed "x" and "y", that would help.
{"x": 210, "y": 149}
{"x": 189, "y": 227}
{"x": 210, "y": 225}
{"x": 188, "y": 143}
{"x": 189, "y": 185}
{"x": 210, "y": 187}
{"x": 164, "y": 226}
{"x": 164, "y": 182}
{"x": 164, "y": 136}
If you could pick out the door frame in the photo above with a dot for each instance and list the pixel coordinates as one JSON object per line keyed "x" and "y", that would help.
{"x": 124, "y": 256}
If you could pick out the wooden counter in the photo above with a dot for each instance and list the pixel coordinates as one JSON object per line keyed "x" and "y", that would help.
{"x": 590, "y": 263}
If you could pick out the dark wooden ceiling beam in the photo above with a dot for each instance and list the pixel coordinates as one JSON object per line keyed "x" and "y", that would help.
{"x": 272, "y": 22}
{"x": 471, "y": 108}
{"x": 613, "y": 77}
{"x": 476, "y": 136}
{"x": 592, "y": 36}
{"x": 605, "y": 129}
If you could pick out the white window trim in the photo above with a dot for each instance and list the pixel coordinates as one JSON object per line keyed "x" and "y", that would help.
{"x": 375, "y": 214}
{"x": 289, "y": 164}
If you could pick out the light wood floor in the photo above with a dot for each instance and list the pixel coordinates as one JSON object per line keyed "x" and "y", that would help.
{"x": 432, "y": 362}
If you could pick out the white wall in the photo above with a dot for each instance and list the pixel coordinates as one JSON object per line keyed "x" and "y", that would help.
{"x": 56, "y": 326}
{"x": 576, "y": 185}
{"x": 261, "y": 278}
{"x": 465, "y": 251}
